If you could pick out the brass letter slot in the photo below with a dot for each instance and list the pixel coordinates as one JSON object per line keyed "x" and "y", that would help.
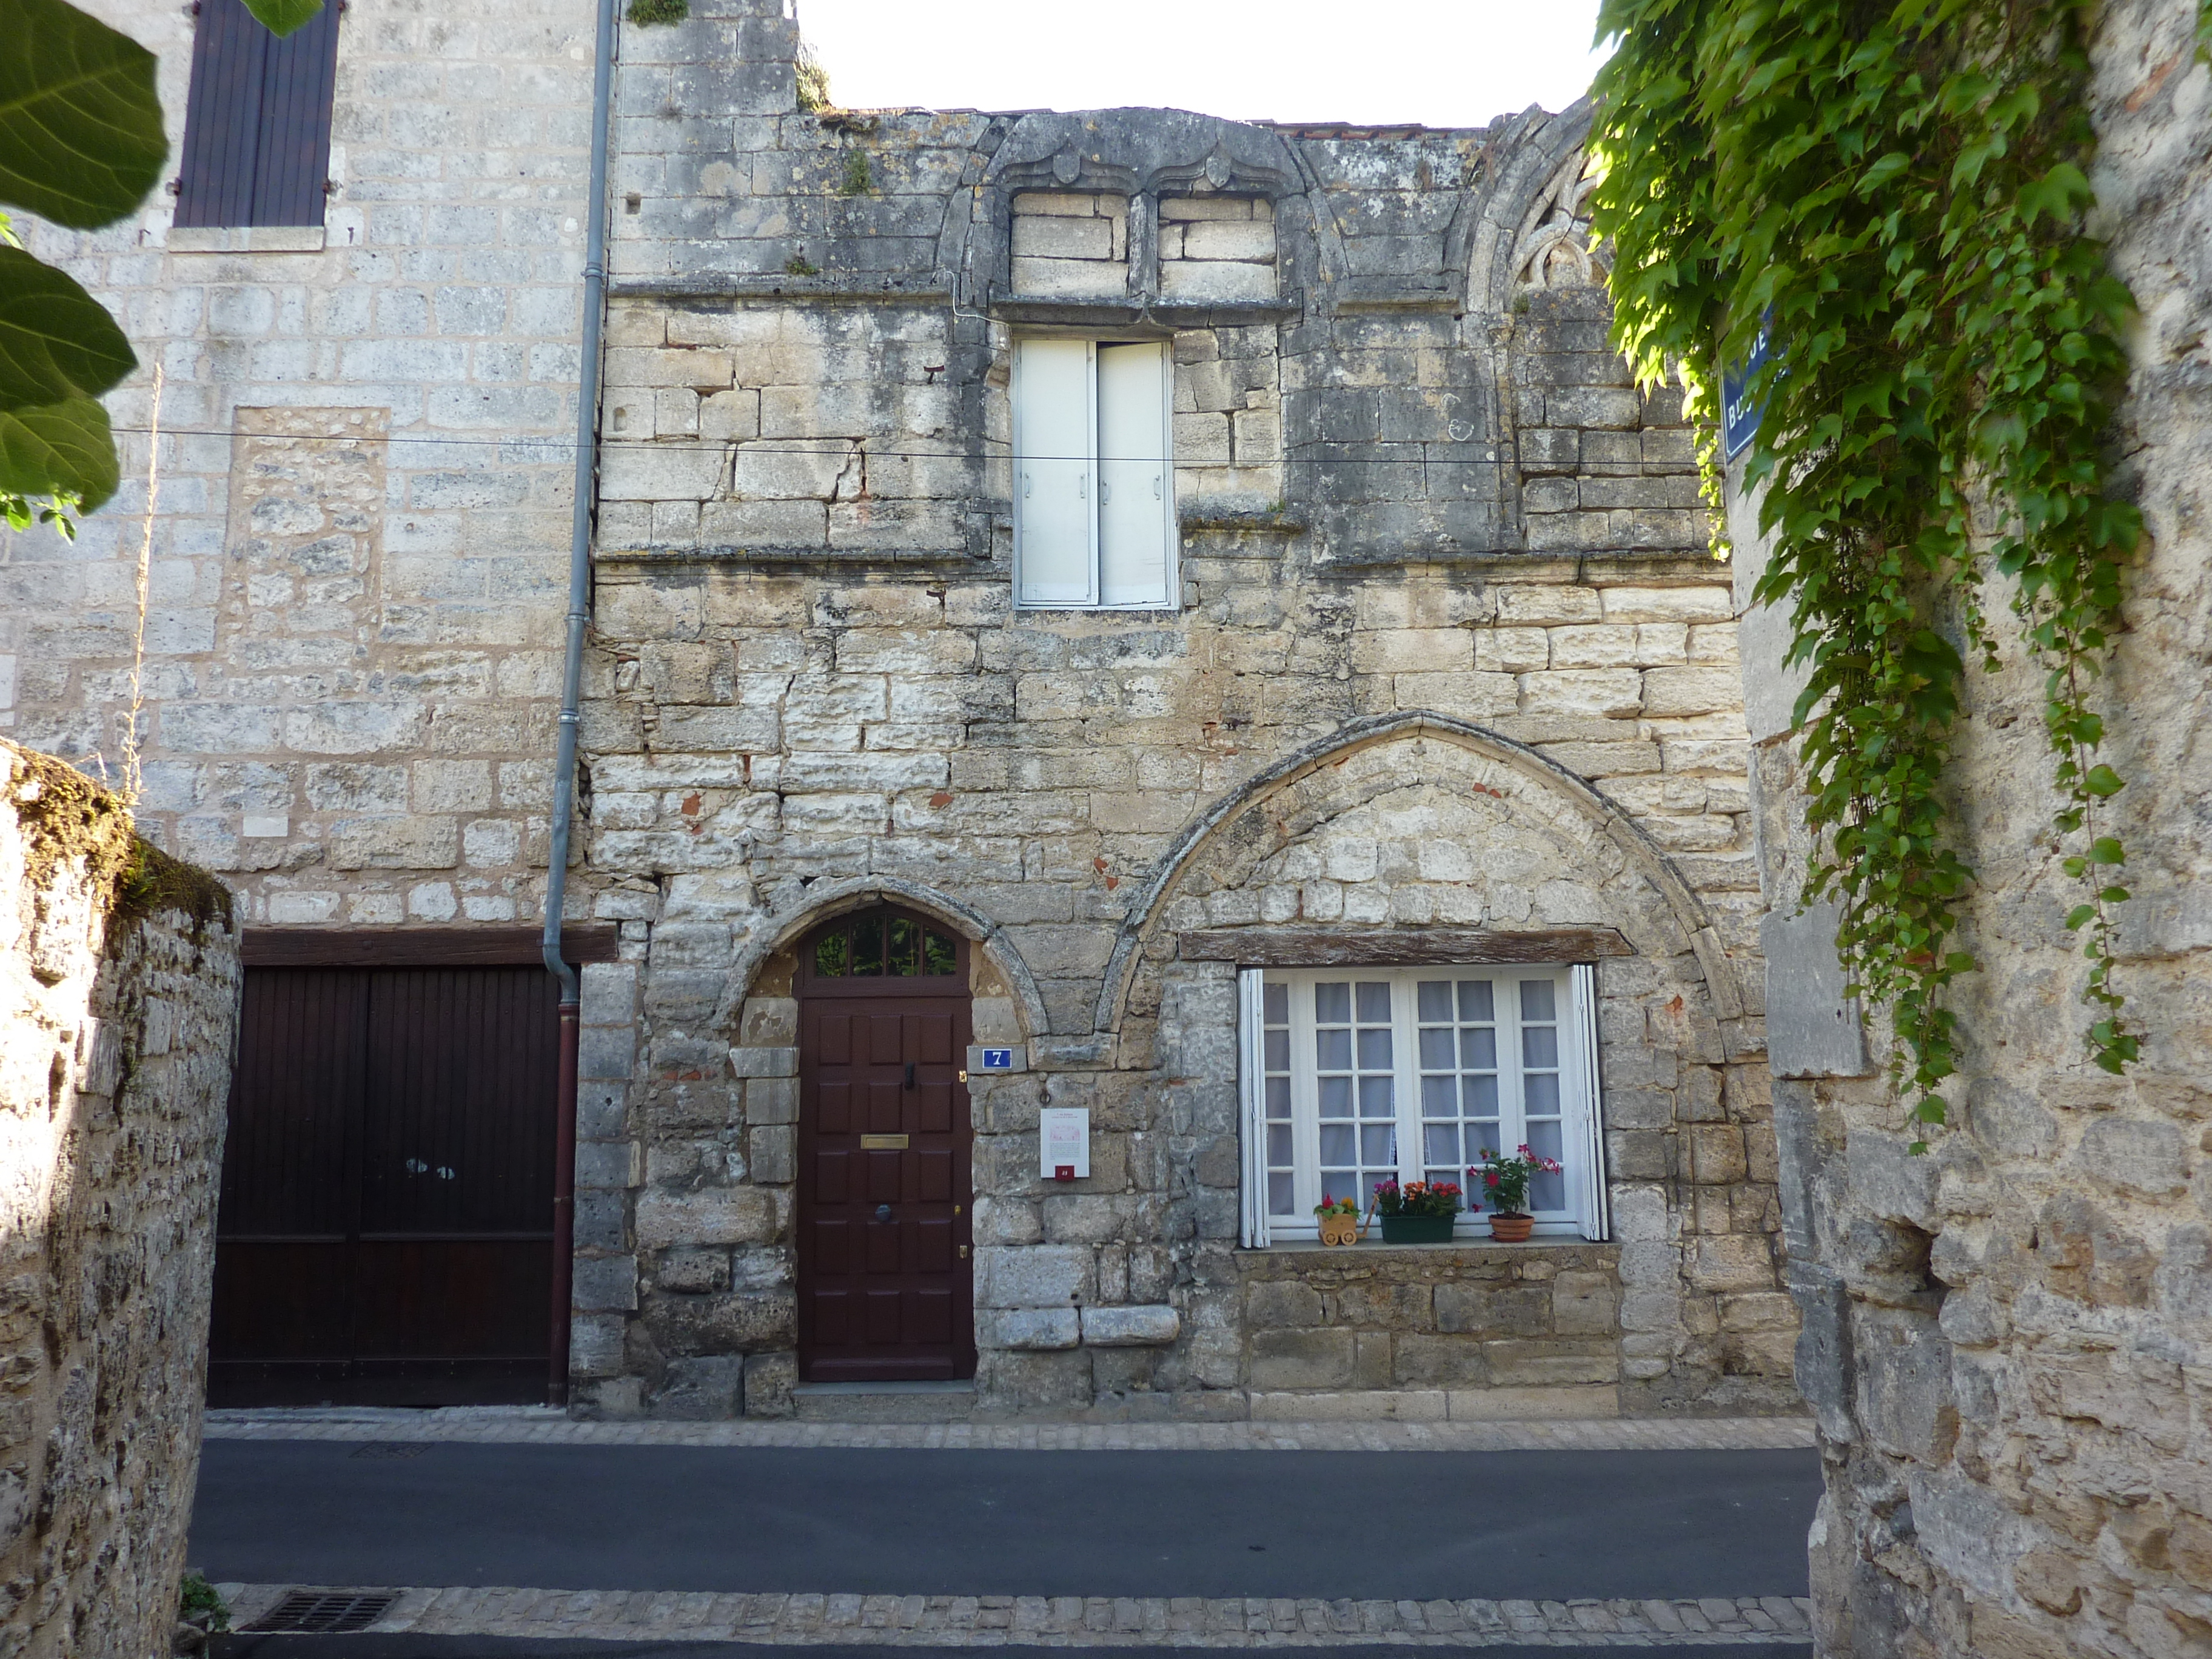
{"x": 882, "y": 1142}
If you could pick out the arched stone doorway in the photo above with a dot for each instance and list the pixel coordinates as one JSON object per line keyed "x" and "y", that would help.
{"x": 884, "y": 1221}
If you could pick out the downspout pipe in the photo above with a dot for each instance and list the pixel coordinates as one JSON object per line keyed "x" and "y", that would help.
{"x": 572, "y": 682}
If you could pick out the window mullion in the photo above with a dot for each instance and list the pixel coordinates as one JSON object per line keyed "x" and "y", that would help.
{"x": 1406, "y": 1082}
{"x": 1305, "y": 1105}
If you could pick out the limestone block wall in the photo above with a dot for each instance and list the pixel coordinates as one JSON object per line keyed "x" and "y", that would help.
{"x": 359, "y": 558}
{"x": 2006, "y": 1341}
{"x": 115, "y": 1047}
{"x": 1075, "y": 793}
{"x": 1471, "y": 1334}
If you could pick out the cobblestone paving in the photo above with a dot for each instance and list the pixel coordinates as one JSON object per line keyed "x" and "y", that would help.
{"x": 1067, "y": 1620}
{"x": 549, "y": 1428}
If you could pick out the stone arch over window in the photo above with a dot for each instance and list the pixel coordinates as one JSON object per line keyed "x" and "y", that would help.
{"x": 784, "y": 928}
{"x": 1421, "y": 757}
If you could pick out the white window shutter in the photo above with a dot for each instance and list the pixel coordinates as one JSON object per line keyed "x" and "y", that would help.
{"x": 1056, "y": 436}
{"x": 1252, "y": 1092}
{"x": 1136, "y": 508}
{"x": 1596, "y": 1217}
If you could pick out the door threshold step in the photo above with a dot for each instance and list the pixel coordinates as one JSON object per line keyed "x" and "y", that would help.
{"x": 940, "y": 1401}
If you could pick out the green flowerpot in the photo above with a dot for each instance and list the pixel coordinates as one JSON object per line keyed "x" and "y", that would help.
{"x": 1418, "y": 1229}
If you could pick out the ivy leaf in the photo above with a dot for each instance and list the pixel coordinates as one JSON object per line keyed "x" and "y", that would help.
{"x": 2103, "y": 782}
{"x": 81, "y": 138}
{"x": 60, "y": 448}
{"x": 2080, "y": 917}
{"x": 56, "y": 341}
{"x": 2106, "y": 849}
{"x": 281, "y": 17}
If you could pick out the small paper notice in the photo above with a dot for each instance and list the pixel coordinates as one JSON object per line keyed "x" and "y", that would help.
{"x": 1064, "y": 1141}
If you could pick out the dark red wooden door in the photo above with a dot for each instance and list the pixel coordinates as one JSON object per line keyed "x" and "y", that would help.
{"x": 384, "y": 1235}
{"x": 886, "y": 1283}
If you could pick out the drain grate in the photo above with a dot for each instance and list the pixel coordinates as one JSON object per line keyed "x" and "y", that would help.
{"x": 324, "y": 1612}
{"x": 391, "y": 1449}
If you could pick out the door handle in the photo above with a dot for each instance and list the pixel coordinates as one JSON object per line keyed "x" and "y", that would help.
{"x": 882, "y": 1213}
{"x": 910, "y": 1075}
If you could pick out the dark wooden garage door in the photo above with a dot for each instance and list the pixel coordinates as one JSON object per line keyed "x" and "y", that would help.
{"x": 384, "y": 1233}
{"x": 885, "y": 1288}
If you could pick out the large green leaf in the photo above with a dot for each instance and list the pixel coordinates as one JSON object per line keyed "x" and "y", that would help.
{"x": 56, "y": 340}
{"x": 281, "y": 17}
{"x": 60, "y": 446}
{"x": 80, "y": 139}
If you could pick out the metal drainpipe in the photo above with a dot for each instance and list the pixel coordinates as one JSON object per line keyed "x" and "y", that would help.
{"x": 572, "y": 677}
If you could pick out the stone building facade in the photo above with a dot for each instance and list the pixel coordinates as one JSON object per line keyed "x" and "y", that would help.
{"x": 115, "y": 1042}
{"x": 1444, "y": 659}
{"x": 2005, "y": 1342}
{"x": 1426, "y": 667}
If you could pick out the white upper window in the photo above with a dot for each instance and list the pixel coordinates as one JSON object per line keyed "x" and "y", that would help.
{"x": 1094, "y": 478}
{"x": 1355, "y": 1076}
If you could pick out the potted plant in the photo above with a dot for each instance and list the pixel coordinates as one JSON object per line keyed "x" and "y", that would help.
{"x": 1505, "y": 1191}
{"x": 1338, "y": 1219}
{"x": 1419, "y": 1212}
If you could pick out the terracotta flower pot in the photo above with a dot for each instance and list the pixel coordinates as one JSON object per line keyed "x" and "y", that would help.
{"x": 1511, "y": 1229}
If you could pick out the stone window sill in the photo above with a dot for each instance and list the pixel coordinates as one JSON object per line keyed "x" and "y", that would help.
{"x": 1465, "y": 1247}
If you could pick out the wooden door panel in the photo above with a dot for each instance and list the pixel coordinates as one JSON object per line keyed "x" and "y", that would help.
{"x": 885, "y": 1330}
{"x": 884, "y": 1100}
{"x": 933, "y": 1247}
{"x": 930, "y": 1039}
{"x": 933, "y": 1108}
{"x": 883, "y": 1298}
{"x": 932, "y": 1173}
{"x": 832, "y": 1320}
{"x": 884, "y": 1177}
{"x": 385, "y": 1228}
{"x": 929, "y": 1316}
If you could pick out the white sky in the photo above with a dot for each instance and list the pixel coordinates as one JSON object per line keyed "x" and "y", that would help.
{"x": 1441, "y": 62}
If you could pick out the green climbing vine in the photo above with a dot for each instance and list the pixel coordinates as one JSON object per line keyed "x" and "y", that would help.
{"x": 1896, "y": 190}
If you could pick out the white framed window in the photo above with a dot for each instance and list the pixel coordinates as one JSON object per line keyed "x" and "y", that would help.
{"x": 1094, "y": 475}
{"x": 1351, "y": 1076}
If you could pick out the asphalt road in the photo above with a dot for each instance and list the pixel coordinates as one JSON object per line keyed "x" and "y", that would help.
{"x": 1538, "y": 1525}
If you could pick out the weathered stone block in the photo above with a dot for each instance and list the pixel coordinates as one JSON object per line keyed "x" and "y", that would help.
{"x": 1028, "y": 1329}
{"x": 1302, "y": 1360}
{"x": 1130, "y": 1326}
{"x": 714, "y": 1215}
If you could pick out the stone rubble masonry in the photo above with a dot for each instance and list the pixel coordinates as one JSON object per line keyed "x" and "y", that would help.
{"x": 1073, "y": 1621}
{"x": 359, "y": 566}
{"x": 2007, "y": 1342}
{"x": 115, "y": 1043}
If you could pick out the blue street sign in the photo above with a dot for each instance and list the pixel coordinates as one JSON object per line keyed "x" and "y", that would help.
{"x": 1739, "y": 416}
{"x": 998, "y": 1059}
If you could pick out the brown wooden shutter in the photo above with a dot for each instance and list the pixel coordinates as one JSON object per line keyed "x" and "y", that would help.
{"x": 258, "y": 119}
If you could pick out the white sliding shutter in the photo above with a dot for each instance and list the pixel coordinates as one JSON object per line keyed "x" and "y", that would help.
{"x": 1597, "y": 1220}
{"x": 1136, "y": 497}
{"x": 1252, "y": 1093}
{"x": 1056, "y": 436}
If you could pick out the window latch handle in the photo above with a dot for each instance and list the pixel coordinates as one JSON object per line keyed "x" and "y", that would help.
{"x": 1156, "y": 486}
